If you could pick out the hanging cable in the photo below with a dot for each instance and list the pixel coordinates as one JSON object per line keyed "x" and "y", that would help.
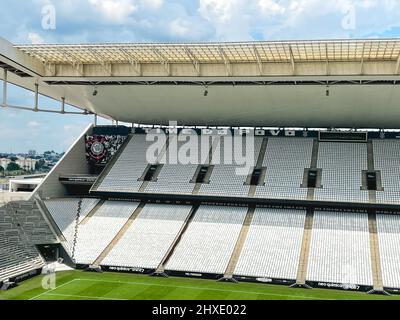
{"x": 78, "y": 215}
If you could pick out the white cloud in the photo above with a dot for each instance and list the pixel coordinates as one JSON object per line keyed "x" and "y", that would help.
{"x": 230, "y": 18}
{"x": 115, "y": 10}
{"x": 35, "y": 38}
{"x": 300, "y": 19}
{"x": 271, "y": 7}
{"x": 179, "y": 28}
{"x": 33, "y": 124}
{"x": 152, "y": 4}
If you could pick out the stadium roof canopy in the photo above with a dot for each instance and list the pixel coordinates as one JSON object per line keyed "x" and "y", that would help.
{"x": 241, "y": 52}
{"x": 333, "y": 83}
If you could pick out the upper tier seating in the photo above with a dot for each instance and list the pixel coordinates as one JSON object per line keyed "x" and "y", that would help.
{"x": 149, "y": 237}
{"x": 387, "y": 160}
{"x": 342, "y": 165}
{"x": 17, "y": 254}
{"x": 339, "y": 250}
{"x": 64, "y": 212}
{"x": 209, "y": 241}
{"x": 129, "y": 167}
{"x": 389, "y": 248}
{"x": 176, "y": 177}
{"x": 285, "y": 160}
{"x": 95, "y": 235}
{"x": 225, "y": 179}
{"x": 273, "y": 244}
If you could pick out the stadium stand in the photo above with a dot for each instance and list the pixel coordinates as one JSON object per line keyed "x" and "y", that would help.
{"x": 347, "y": 249}
{"x": 340, "y": 251}
{"x": 272, "y": 247}
{"x": 208, "y": 242}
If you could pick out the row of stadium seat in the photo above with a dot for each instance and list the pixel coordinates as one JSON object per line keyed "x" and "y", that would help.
{"x": 339, "y": 247}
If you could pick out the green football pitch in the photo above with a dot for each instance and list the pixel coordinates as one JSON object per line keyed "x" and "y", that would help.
{"x": 80, "y": 285}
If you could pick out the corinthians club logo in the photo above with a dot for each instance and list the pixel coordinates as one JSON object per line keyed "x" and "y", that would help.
{"x": 97, "y": 148}
{"x": 100, "y": 148}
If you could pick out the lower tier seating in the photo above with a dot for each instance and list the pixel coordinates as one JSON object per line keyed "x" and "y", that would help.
{"x": 148, "y": 239}
{"x": 273, "y": 244}
{"x": 64, "y": 212}
{"x": 209, "y": 241}
{"x": 339, "y": 244}
{"x": 339, "y": 250}
{"x": 389, "y": 247}
{"x": 95, "y": 235}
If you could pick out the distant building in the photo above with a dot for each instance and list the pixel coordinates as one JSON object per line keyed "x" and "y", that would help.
{"x": 32, "y": 153}
{"x": 24, "y": 163}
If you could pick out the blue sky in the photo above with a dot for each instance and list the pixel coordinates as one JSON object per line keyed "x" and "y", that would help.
{"x": 80, "y": 21}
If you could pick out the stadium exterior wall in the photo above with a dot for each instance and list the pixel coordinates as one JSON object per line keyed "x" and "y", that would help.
{"x": 74, "y": 161}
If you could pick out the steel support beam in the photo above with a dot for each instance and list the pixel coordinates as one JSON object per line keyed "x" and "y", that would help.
{"x": 134, "y": 62}
{"x": 163, "y": 61}
{"x": 398, "y": 65}
{"x": 5, "y": 75}
{"x": 73, "y": 61}
{"x": 362, "y": 61}
{"x": 36, "y": 106}
{"x": 63, "y": 105}
{"x": 195, "y": 62}
{"x": 259, "y": 62}
{"x": 107, "y": 67}
{"x": 226, "y": 61}
{"x": 292, "y": 60}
